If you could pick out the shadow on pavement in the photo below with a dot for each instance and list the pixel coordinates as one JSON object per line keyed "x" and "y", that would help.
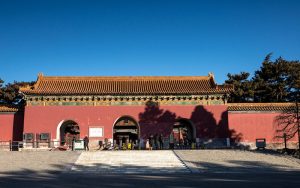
{"x": 273, "y": 176}
{"x": 236, "y": 166}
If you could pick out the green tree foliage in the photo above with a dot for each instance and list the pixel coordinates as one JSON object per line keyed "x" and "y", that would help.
{"x": 1, "y": 89}
{"x": 10, "y": 92}
{"x": 294, "y": 81}
{"x": 271, "y": 81}
{"x": 243, "y": 87}
{"x": 275, "y": 81}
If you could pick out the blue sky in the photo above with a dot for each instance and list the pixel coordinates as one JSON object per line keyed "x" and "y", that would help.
{"x": 144, "y": 37}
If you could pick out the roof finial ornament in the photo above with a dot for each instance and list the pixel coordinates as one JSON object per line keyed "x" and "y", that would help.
{"x": 212, "y": 78}
{"x": 40, "y": 74}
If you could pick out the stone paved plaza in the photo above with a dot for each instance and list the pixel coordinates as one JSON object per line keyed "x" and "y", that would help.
{"x": 36, "y": 161}
{"x": 183, "y": 161}
{"x": 237, "y": 161}
{"x": 180, "y": 168}
{"x": 146, "y": 162}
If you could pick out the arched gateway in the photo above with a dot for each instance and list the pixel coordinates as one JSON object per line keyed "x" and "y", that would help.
{"x": 125, "y": 130}
{"x": 68, "y": 130}
{"x": 184, "y": 132}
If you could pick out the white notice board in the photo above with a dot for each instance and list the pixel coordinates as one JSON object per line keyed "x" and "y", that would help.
{"x": 95, "y": 132}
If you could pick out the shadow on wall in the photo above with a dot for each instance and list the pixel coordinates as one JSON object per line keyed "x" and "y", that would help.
{"x": 208, "y": 128}
{"x": 286, "y": 124}
{"x": 156, "y": 121}
{"x": 18, "y": 126}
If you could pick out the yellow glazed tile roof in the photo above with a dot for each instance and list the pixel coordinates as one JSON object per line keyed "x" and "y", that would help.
{"x": 8, "y": 108}
{"x": 126, "y": 85}
{"x": 260, "y": 106}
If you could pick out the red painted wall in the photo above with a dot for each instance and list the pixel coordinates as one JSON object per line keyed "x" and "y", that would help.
{"x": 11, "y": 126}
{"x": 250, "y": 126}
{"x": 209, "y": 120}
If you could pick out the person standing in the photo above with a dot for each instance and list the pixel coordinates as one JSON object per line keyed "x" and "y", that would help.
{"x": 151, "y": 142}
{"x": 147, "y": 145}
{"x": 86, "y": 143}
{"x": 156, "y": 141}
{"x": 161, "y": 144}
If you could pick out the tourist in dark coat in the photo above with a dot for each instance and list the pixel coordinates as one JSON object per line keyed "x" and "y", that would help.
{"x": 161, "y": 142}
{"x": 86, "y": 143}
{"x": 151, "y": 142}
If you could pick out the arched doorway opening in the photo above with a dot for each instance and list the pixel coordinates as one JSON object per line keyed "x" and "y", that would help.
{"x": 126, "y": 130}
{"x": 69, "y": 130}
{"x": 183, "y": 133}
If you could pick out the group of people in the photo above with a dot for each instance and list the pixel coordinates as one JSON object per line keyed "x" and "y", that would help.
{"x": 155, "y": 142}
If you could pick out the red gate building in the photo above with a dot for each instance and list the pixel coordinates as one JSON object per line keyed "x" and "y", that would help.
{"x": 121, "y": 109}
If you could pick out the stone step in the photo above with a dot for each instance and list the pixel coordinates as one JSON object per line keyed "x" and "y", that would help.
{"x": 129, "y": 162}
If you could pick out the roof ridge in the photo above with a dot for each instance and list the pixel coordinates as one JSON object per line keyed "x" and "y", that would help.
{"x": 282, "y": 106}
{"x": 37, "y": 83}
{"x": 126, "y": 77}
{"x": 261, "y": 104}
{"x": 125, "y": 84}
{"x": 9, "y": 108}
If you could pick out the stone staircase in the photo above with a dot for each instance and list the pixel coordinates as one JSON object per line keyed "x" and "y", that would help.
{"x": 131, "y": 162}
